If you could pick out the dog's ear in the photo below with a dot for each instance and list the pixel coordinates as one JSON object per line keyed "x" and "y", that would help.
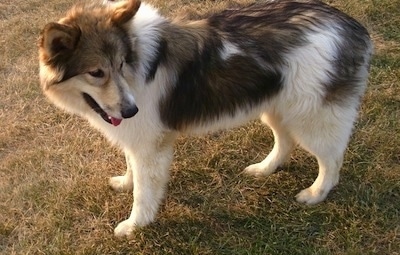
{"x": 125, "y": 11}
{"x": 57, "y": 39}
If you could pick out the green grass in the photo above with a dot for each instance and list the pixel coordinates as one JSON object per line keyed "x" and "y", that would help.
{"x": 54, "y": 197}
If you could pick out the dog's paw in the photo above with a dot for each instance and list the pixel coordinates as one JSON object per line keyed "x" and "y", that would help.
{"x": 120, "y": 184}
{"x": 258, "y": 170}
{"x": 310, "y": 196}
{"x": 124, "y": 229}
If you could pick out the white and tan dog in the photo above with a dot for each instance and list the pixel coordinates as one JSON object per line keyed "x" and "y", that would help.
{"x": 142, "y": 79}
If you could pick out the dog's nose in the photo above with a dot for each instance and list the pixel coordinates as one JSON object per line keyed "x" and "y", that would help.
{"x": 129, "y": 112}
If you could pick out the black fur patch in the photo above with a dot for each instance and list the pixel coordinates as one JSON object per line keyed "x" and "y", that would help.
{"x": 348, "y": 76}
{"x": 159, "y": 59}
{"x": 209, "y": 87}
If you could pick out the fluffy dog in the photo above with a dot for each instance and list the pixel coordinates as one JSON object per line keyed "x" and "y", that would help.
{"x": 142, "y": 79}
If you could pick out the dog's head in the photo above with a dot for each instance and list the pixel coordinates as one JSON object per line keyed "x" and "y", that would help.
{"x": 87, "y": 61}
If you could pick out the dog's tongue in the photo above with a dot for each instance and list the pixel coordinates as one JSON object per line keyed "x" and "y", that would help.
{"x": 115, "y": 121}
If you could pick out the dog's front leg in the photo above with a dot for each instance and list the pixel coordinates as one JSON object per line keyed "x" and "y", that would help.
{"x": 123, "y": 182}
{"x": 150, "y": 177}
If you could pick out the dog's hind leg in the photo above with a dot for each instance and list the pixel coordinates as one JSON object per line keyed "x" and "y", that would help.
{"x": 124, "y": 182}
{"x": 283, "y": 146}
{"x": 326, "y": 137}
{"x": 328, "y": 177}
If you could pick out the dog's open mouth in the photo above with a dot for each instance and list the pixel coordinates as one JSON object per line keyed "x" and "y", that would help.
{"x": 96, "y": 107}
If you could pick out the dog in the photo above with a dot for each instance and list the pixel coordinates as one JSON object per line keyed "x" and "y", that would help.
{"x": 143, "y": 79}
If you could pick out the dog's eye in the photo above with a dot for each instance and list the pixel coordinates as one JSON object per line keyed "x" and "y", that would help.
{"x": 97, "y": 73}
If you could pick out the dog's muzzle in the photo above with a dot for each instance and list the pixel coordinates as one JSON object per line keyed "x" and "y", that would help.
{"x": 125, "y": 112}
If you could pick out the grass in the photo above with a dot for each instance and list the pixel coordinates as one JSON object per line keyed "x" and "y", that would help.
{"x": 54, "y": 197}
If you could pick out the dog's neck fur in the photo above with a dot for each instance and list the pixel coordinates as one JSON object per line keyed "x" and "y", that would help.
{"x": 145, "y": 28}
{"x": 155, "y": 36}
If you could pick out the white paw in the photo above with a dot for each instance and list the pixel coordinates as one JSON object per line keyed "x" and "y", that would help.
{"x": 124, "y": 228}
{"x": 119, "y": 183}
{"x": 310, "y": 196}
{"x": 258, "y": 170}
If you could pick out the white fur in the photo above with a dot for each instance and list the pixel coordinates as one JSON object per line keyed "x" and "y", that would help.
{"x": 145, "y": 26}
{"x": 229, "y": 50}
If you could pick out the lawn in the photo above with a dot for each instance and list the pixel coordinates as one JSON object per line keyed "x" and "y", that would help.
{"x": 54, "y": 167}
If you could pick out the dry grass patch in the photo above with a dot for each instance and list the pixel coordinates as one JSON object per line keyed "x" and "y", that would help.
{"x": 54, "y": 197}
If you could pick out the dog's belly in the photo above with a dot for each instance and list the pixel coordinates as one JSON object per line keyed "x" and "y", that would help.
{"x": 225, "y": 121}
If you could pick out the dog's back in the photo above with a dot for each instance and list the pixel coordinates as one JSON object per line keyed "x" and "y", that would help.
{"x": 246, "y": 58}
